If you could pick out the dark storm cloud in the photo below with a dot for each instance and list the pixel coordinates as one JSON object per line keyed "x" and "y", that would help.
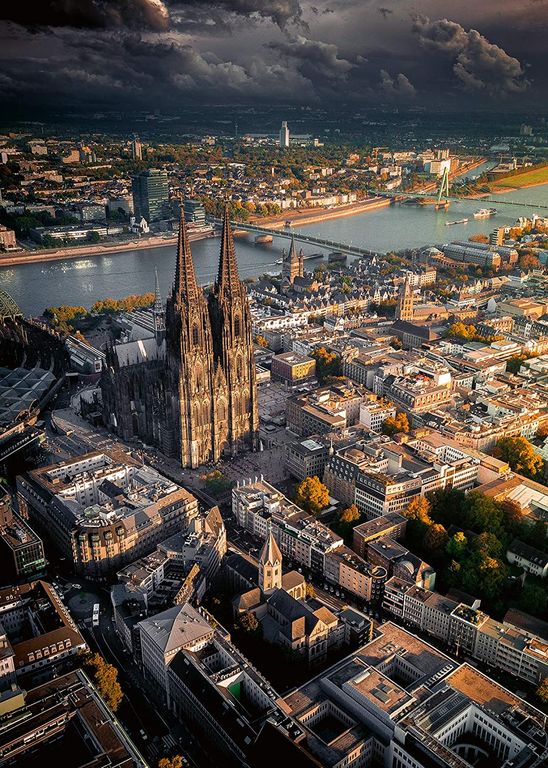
{"x": 397, "y": 88}
{"x": 281, "y": 12}
{"x": 93, "y": 14}
{"x": 478, "y": 64}
{"x": 157, "y": 53}
{"x": 315, "y": 59}
{"x": 129, "y": 69}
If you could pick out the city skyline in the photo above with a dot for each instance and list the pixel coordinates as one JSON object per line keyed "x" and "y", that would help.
{"x": 164, "y": 54}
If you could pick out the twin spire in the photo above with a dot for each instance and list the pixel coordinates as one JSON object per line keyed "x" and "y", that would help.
{"x": 185, "y": 286}
{"x": 227, "y": 278}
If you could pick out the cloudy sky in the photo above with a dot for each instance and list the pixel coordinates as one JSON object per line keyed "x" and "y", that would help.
{"x": 167, "y": 53}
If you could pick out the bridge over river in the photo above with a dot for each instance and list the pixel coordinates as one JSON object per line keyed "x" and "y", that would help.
{"x": 398, "y": 196}
{"x": 301, "y": 237}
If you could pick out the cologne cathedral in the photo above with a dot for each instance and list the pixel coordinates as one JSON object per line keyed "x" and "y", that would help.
{"x": 189, "y": 387}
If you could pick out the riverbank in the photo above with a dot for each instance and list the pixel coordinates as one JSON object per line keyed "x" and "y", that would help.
{"x": 82, "y": 251}
{"x": 505, "y": 190}
{"x": 315, "y": 215}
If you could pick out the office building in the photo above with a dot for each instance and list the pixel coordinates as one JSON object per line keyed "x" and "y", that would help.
{"x": 104, "y": 509}
{"x": 150, "y": 194}
{"x": 136, "y": 149}
{"x": 284, "y": 136}
{"x": 292, "y": 368}
{"x": 468, "y": 630}
{"x": 399, "y": 702}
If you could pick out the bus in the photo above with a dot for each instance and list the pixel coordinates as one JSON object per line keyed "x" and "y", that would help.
{"x": 95, "y": 620}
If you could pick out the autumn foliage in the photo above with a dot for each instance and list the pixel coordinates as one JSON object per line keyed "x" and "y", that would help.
{"x": 312, "y": 495}
{"x": 105, "y": 677}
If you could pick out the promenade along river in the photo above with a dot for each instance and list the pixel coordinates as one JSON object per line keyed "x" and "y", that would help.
{"x": 81, "y": 281}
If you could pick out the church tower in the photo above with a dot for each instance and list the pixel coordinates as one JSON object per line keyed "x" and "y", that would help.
{"x": 188, "y": 418}
{"x": 270, "y": 565}
{"x": 236, "y": 413}
{"x": 404, "y": 307}
{"x": 292, "y": 265}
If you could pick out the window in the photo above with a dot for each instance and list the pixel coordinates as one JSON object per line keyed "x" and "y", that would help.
{"x": 195, "y": 335}
{"x": 237, "y": 326}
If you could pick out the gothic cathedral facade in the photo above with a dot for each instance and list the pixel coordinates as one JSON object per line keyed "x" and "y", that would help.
{"x": 199, "y": 392}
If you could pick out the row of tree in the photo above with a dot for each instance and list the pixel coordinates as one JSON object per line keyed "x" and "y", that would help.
{"x": 66, "y": 317}
{"x": 105, "y": 677}
{"x": 472, "y": 557}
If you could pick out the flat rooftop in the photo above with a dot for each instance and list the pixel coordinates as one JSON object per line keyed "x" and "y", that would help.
{"x": 103, "y": 487}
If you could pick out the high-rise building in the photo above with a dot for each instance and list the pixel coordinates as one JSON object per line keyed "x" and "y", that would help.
{"x": 192, "y": 393}
{"x": 150, "y": 192}
{"x": 404, "y": 307}
{"x": 284, "y": 135}
{"x": 136, "y": 149}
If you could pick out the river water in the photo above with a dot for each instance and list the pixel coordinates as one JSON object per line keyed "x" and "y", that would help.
{"x": 83, "y": 280}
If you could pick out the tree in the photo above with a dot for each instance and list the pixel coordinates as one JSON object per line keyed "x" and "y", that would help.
{"x": 171, "y": 762}
{"x": 217, "y": 484}
{"x": 482, "y": 513}
{"x": 435, "y": 539}
{"x": 419, "y": 509}
{"x": 347, "y": 519}
{"x": 521, "y": 456}
{"x": 93, "y": 237}
{"x": 106, "y": 679}
{"x": 261, "y": 341}
{"x": 310, "y": 590}
{"x": 512, "y": 516}
{"x": 312, "y": 495}
{"x": 528, "y": 261}
{"x": 456, "y": 546}
{"x": 327, "y": 363}
{"x": 394, "y": 424}
{"x": 533, "y": 599}
{"x": 542, "y": 690}
{"x": 488, "y": 577}
{"x": 249, "y": 623}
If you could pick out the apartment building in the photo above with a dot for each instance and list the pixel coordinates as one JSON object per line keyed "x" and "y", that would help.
{"x": 256, "y": 505}
{"x": 466, "y": 629}
{"x": 36, "y": 631}
{"x": 374, "y": 411}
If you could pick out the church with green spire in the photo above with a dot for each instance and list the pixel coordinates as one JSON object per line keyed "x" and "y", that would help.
{"x": 191, "y": 389}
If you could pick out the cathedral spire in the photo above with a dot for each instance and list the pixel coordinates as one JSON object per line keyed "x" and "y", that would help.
{"x": 158, "y": 308}
{"x": 185, "y": 285}
{"x": 228, "y": 267}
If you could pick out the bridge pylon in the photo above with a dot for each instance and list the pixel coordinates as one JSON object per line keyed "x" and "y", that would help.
{"x": 443, "y": 191}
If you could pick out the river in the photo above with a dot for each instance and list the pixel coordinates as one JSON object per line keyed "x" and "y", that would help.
{"x": 83, "y": 280}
